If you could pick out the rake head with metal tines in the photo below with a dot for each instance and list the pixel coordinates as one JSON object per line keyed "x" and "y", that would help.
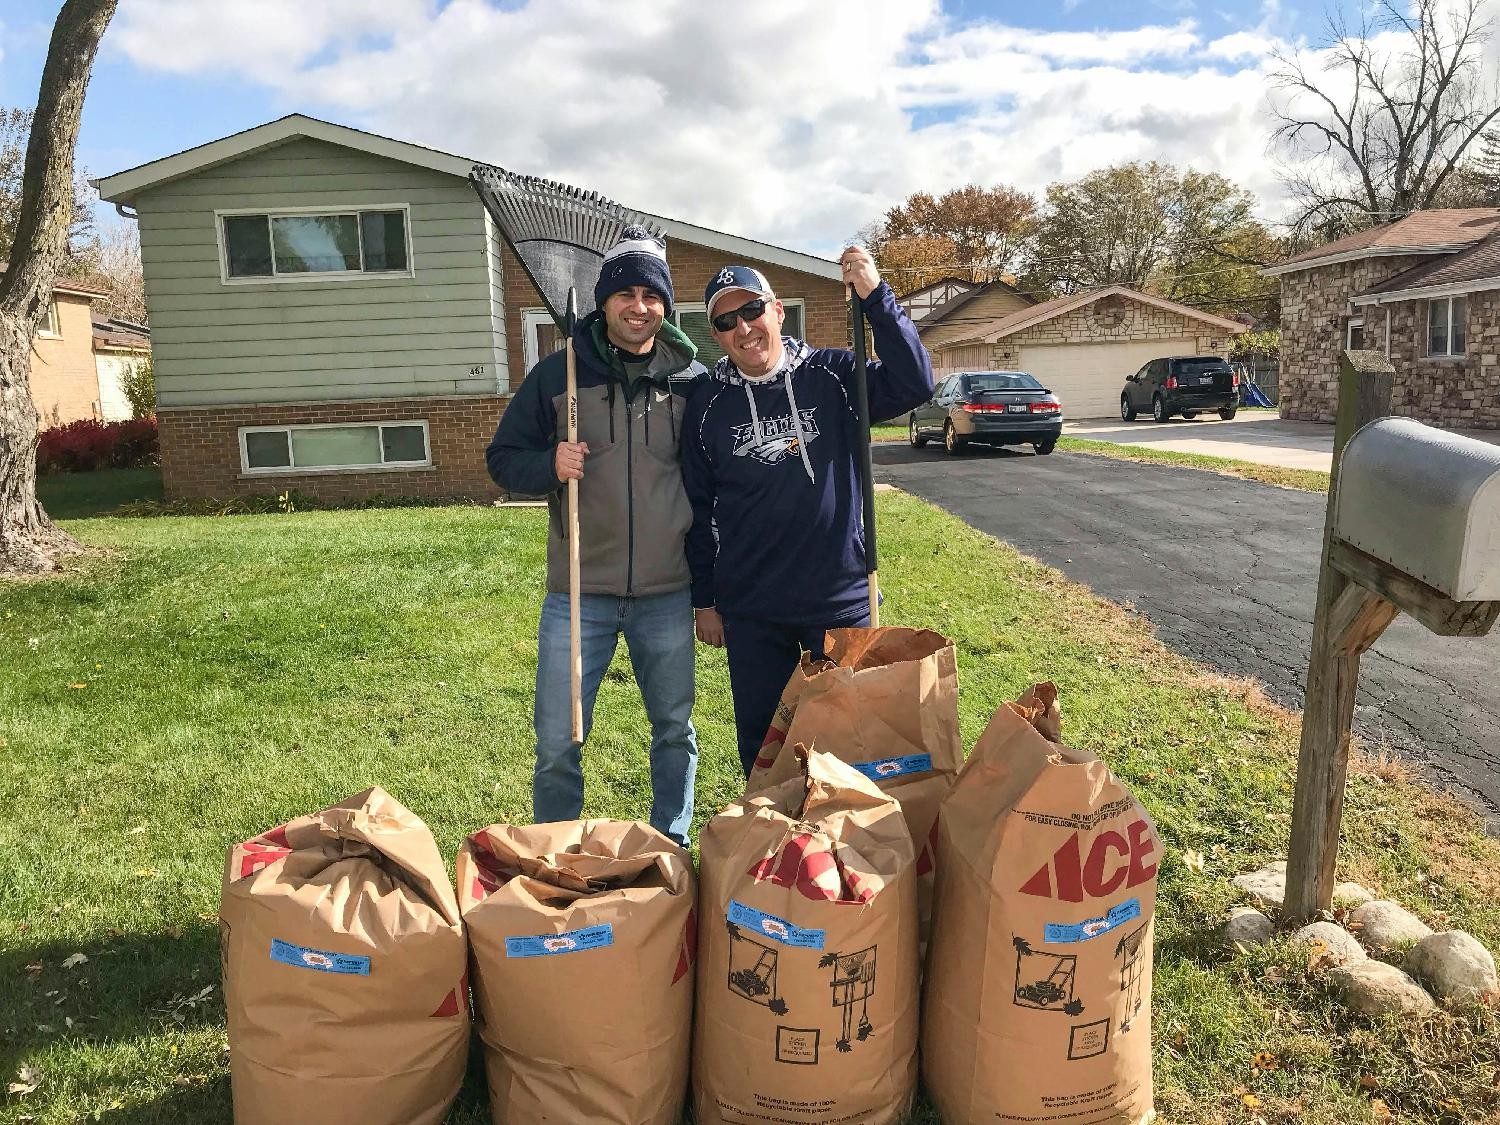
{"x": 559, "y": 233}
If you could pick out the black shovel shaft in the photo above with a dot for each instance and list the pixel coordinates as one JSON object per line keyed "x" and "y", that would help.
{"x": 862, "y": 433}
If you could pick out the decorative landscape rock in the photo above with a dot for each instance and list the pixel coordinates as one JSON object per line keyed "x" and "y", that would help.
{"x": 1267, "y": 885}
{"x": 1343, "y": 948}
{"x": 1454, "y": 965}
{"x": 1248, "y": 927}
{"x": 1378, "y": 989}
{"x": 1385, "y": 925}
{"x": 1351, "y": 895}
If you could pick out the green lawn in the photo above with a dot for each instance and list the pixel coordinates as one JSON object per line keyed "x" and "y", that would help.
{"x": 207, "y": 678}
{"x": 1306, "y": 480}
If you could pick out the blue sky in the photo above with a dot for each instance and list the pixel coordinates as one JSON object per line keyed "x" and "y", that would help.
{"x": 798, "y": 128}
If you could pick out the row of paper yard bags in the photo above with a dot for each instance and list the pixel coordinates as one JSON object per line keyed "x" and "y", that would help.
{"x": 348, "y": 957}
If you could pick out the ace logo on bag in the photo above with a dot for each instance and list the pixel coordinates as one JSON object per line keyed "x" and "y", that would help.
{"x": 1045, "y": 897}
{"x": 807, "y": 979}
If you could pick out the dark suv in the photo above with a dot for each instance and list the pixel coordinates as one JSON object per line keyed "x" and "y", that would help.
{"x": 988, "y": 408}
{"x": 1186, "y": 385}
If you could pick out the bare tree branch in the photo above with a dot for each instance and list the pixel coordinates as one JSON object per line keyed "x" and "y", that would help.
{"x": 1385, "y": 131}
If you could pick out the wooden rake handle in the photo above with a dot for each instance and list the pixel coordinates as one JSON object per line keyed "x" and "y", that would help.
{"x": 575, "y": 663}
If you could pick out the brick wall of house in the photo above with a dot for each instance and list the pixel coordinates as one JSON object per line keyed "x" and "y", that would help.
{"x": 1141, "y": 322}
{"x": 64, "y": 379}
{"x": 826, "y": 309}
{"x": 1314, "y": 322}
{"x": 1462, "y": 392}
{"x": 201, "y": 450}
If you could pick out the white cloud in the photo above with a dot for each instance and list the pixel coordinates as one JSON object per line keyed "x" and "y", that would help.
{"x": 796, "y": 122}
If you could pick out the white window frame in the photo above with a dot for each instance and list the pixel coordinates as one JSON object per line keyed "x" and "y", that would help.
{"x": 51, "y": 326}
{"x": 220, "y": 214}
{"x": 530, "y": 319}
{"x": 1354, "y": 322}
{"x": 295, "y": 470}
{"x": 1449, "y": 353}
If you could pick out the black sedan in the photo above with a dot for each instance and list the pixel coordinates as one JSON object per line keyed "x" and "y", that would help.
{"x": 988, "y": 408}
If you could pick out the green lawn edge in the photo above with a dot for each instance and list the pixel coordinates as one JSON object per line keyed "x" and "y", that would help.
{"x": 1304, "y": 480}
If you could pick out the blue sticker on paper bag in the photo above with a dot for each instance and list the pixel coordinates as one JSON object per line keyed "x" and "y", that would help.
{"x": 1056, "y": 934}
{"x": 887, "y": 768}
{"x": 777, "y": 929}
{"x": 550, "y": 945}
{"x": 318, "y": 959}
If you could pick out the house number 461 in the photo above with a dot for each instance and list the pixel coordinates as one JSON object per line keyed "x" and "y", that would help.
{"x": 477, "y": 370}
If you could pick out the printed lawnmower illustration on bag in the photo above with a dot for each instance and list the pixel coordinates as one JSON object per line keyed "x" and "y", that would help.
{"x": 1045, "y": 980}
{"x": 752, "y": 971}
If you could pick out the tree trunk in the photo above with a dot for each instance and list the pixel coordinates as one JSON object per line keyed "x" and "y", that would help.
{"x": 30, "y": 543}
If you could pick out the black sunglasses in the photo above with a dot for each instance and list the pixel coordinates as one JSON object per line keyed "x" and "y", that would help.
{"x": 750, "y": 310}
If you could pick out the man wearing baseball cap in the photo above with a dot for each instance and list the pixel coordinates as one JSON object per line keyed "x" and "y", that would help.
{"x": 633, "y": 375}
{"x": 769, "y": 460}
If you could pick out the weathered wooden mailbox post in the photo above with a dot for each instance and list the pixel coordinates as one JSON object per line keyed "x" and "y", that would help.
{"x": 1413, "y": 526}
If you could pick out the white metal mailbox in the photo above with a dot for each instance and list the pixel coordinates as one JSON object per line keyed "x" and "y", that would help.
{"x": 1427, "y": 502}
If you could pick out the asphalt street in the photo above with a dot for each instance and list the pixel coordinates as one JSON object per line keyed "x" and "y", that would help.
{"x": 1225, "y": 569}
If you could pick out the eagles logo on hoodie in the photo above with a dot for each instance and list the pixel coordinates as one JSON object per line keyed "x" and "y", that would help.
{"x": 777, "y": 439}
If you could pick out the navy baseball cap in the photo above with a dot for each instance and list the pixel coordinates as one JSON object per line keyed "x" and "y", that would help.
{"x": 736, "y": 277}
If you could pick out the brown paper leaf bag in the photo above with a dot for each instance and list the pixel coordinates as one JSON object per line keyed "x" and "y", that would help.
{"x": 885, "y": 702}
{"x": 583, "y": 939}
{"x": 807, "y": 979}
{"x": 344, "y": 964}
{"x": 1037, "y": 999}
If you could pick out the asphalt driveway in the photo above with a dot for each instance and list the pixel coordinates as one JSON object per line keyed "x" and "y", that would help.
{"x": 1225, "y": 569}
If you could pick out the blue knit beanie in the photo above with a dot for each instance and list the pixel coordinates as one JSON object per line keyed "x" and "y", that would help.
{"x": 639, "y": 258}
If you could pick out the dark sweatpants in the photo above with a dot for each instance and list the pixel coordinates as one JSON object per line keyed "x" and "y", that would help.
{"x": 762, "y": 657}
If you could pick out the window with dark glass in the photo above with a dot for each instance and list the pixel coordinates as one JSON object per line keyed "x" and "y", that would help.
{"x": 1446, "y": 335}
{"x": 274, "y": 245}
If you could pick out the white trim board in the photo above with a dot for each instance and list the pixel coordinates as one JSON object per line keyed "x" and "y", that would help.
{"x": 1452, "y": 289}
{"x": 1366, "y": 252}
{"x": 122, "y": 187}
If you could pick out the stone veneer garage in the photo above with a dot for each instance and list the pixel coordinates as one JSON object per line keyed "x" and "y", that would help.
{"x": 1084, "y": 345}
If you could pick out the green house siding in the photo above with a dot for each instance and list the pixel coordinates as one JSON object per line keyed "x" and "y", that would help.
{"x": 437, "y": 332}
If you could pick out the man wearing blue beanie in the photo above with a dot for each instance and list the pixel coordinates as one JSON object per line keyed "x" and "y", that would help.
{"x": 633, "y": 371}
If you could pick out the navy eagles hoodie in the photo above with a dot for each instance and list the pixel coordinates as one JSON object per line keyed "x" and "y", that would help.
{"x": 770, "y": 471}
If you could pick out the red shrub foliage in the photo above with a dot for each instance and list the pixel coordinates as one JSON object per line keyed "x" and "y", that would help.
{"x": 88, "y": 445}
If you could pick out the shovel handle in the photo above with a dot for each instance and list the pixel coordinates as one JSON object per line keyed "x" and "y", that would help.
{"x": 575, "y": 662}
{"x": 862, "y": 453}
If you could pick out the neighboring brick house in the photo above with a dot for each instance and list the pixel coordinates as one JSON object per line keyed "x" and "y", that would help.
{"x": 1081, "y": 346}
{"x": 1424, "y": 289}
{"x": 64, "y": 375}
{"x": 334, "y": 312}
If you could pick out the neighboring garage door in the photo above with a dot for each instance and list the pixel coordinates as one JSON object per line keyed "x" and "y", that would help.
{"x": 1088, "y": 377}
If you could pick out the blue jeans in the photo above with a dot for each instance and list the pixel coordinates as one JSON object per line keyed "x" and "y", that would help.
{"x": 659, "y": 634}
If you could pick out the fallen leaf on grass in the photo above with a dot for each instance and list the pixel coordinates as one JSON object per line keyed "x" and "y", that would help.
{"x": 34, "y": 969}
{"x": 1193, "y": 860}
{"x": 1265, "y": 1060}
{"x": 72, "y": 961}
{"x": 1368, "y": 1082}
{"x": 137, "y": 830}
{"x": 1379, "y": 1108}
{"x": 1452, "y": 1105}
{"x": 30, "y": 1078}
{"x": 77, "y": 687}
{"x": 1249, "y": 1100}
